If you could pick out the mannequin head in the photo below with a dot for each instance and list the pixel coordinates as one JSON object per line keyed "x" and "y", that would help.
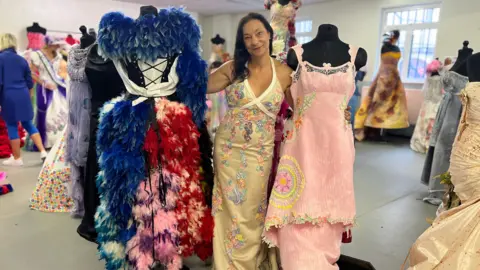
{"x": 392, "y": 37}
{"x": 145, "y": 10}
{"x": 254, "y": 40}
{"x": 217, "y": 44}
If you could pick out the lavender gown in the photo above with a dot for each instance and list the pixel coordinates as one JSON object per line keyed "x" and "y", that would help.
{"x": 78, "y": 128}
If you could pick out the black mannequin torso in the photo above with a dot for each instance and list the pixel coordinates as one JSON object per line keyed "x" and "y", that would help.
{"x": 326, "y": 47}
{"x": 86, "y": 39}
{"x": 145, "y": 10}
{"x": 460, "y": 65}
{"x": 473, "y": 68}
{"x": 36, "y": 28}
{"x": 283, "y": 2}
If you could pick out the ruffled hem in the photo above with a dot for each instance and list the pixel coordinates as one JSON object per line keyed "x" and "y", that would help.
{"x": 294, "y": 219}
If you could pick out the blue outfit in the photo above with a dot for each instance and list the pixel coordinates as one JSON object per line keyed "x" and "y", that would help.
{"x": 15, "y": 82}
{"x": 354, "y": 102}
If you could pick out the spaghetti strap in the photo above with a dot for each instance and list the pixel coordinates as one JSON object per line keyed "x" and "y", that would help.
{"x": 298, "y": 52}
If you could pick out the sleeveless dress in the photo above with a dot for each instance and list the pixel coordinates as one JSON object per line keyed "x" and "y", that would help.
{"x": 385, "y": 106}
{"x": 313, "y": 196}
{"x": 452, "y": 242}
{"x": 432, "y": 89}
{"x": 242, "y": 159}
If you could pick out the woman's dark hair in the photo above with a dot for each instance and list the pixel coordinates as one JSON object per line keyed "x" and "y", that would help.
{"x": 395, "y": 34}
{"x": 241, "y": 55}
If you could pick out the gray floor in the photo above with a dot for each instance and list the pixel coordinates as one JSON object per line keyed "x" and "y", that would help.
{"x": 390, "y": 216}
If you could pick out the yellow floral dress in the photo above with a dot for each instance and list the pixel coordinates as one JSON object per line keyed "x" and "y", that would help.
{"x": 385, "y": 105}
{"x": 243, "y": 157}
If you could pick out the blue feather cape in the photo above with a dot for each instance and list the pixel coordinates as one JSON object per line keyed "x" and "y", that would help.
{"x": 150, "y": 37}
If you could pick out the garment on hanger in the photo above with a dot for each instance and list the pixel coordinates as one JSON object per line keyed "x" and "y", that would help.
{"x": 385, "y": 105}
{"x": 443, "y": 135}
{"x": 432, "y": 91}
{"x": 313, "y": 196}
{"x": 452, "y": 240}
{"x": 152, "y": 208}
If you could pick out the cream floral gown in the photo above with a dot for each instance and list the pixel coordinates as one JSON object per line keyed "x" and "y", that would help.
{"x": 453, "y": 240}
{"x": 243, "y": 157}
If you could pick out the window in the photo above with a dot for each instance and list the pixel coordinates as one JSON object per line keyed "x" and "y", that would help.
{"x": 418, "y": 37}
{"x": 303, "y": 31}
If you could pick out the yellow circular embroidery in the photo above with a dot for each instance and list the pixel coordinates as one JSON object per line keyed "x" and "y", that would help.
{"x": 289, "y": 183}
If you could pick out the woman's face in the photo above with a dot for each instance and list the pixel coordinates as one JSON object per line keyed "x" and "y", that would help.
{"x": 256, "y": 38}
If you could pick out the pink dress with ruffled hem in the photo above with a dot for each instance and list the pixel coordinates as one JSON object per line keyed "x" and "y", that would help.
{"x": 313, "y": 194}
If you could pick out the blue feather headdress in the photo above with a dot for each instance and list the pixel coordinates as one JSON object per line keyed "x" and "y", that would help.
{"x": 150, "y": 37}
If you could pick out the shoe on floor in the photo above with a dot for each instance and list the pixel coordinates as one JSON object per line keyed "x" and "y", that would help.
{"x": 87, "y": 234}
{"x": 43, "y": 155}
{"x": 11, "y": 161}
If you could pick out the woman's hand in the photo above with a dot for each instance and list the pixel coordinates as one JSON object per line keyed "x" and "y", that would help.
{"x": 348, "y": 114}
{"x": 50, "y": 86}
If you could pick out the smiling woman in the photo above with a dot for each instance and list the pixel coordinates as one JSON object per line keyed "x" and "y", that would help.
{"x": 255, "y": 85}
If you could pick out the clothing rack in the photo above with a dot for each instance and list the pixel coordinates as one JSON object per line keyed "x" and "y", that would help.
{"x": 63, "y": 32}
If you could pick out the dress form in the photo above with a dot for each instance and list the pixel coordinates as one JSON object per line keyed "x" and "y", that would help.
{"x": 327, "y": 47}
{"x": 36, "y": 28}
{"x": 460, "y": 65}
{"x": 473, "y": 68}
{"x": 86, "y": 39}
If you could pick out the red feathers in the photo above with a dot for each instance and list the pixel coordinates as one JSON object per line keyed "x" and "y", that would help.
{"x": 181, "y": 156}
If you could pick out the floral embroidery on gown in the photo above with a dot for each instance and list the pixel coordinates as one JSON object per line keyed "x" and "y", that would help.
{"x": 313, "y": 189}
{"x": 242, "y": 157}
{"x": 385, "y": 105}
{"x": 432, "y": 90}
{"x": 452, "y": 242}
{"x": 282, "y": 20}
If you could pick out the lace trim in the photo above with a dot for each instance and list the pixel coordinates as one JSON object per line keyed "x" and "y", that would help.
{"x": 328, "y": 71}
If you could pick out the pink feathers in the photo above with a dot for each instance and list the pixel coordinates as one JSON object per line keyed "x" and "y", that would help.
{"x": 434, "y": 66}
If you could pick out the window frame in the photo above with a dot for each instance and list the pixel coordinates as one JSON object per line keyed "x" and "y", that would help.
{"x": 303, "y": 34}
{"x": 409, "y": 30}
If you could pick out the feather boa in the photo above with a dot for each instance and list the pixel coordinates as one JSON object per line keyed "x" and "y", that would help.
{"x": 120, "y": 138}
{"x": 131, "y": 219}
{"x": 172, "y": 32}
{"x": 181, "y": 156}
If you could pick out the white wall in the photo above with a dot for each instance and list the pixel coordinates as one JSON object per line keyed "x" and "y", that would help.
{"x": 459, "y": 21}
{"x": 359, "y": 24}
{"x": 60, "y": 15}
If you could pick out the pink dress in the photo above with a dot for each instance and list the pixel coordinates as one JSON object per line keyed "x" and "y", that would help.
{"x": 313, "y": 195}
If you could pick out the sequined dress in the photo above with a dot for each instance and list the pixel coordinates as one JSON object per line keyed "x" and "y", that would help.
{"x": 242, "y": 160}
{"x": 453, "y": 240}
{"x": 51, "y": 192}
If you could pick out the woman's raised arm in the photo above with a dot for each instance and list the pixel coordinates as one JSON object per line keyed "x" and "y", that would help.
{"x": 220, "y": 78}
